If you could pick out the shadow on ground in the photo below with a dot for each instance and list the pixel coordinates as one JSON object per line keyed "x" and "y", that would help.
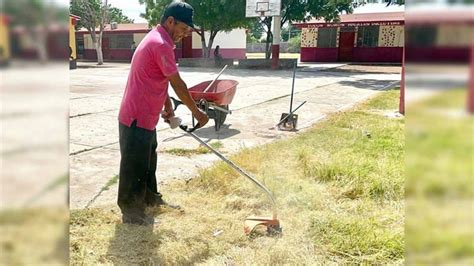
{"x": 134, "y": 245}
{"x": 366, "y": 84}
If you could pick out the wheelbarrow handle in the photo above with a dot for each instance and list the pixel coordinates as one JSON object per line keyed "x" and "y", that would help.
{"x": 176, "y": 103}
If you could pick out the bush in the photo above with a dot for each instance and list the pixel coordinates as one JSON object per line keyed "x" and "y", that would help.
{"x": 294, "y": 44}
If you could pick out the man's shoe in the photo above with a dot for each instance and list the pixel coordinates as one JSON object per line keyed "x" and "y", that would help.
{"x": 158, "y": 201}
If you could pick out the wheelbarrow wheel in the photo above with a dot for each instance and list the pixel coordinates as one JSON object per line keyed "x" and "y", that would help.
{"x": 220, "y": 117}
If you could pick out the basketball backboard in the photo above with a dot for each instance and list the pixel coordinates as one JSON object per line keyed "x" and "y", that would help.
{"x": 263, "y": 8}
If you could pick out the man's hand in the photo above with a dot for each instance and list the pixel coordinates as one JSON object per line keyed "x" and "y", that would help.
{"x": 166, "y": 115}
{"x": 183, "y": 94}
{"x": 201, "y": 117}
{"x": 168, "y": 112}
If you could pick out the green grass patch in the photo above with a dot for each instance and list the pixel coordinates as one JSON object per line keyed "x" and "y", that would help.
{"x": 111, "y": 182}
{"x": 440, "y": 147}
{"x": 190, "y": 152}
{"x": 439, "y": 185}
{"x": 360, "y": 239}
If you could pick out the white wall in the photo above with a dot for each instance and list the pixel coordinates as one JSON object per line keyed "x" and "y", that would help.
{"x": 236, "y": 39}
{"x": 138, "y": 37}
{"x": 88, "y": 44}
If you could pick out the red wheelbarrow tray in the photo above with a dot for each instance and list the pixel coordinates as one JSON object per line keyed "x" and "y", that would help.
{"x": 220, "y": 93}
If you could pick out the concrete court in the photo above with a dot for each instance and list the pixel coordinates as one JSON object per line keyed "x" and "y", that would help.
{"x": 262, "y": 95}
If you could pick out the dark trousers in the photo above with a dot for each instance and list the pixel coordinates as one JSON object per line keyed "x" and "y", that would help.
{"x": 137, "y": 180}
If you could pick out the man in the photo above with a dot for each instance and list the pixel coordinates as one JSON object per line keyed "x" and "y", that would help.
{"x": 217, "y": 57}
{"x": 146, "y": 94}
{"x": 133, "y": 47}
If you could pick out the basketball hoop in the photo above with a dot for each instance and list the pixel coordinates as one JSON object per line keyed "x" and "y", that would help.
{"x": 262, "y": 8}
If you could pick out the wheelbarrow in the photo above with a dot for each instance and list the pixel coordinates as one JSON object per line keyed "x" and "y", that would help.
{"x": 213, "y": 100}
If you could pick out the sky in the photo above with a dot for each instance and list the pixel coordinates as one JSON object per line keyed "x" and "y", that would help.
{"x": 130, "y": 8}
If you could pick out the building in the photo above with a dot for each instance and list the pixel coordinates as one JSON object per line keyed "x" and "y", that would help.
{"x": 4, "y": 40}
{"x": 360, "y": 37}
{"x": 72, "y": 41}
{"x": 43, "y": 42}
{"x": 118, "y": 38}
{"x": 442, "y": 35}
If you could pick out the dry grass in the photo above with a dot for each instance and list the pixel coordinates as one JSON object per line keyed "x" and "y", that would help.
{"x": 339, "y": 192}
{"x": 36, "y": 236}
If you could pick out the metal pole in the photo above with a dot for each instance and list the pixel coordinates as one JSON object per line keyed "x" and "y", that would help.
{"x": 289, "y": 32}
{"x": 401, "y": 105}
{"x": 276, "y": 42}
{"x": 470, "y": 93}
{"x": 292, "y": 88}
{"x": 238, "y": 169}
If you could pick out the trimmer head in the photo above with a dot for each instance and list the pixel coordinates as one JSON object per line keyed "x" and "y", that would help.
{"x": 272, "y": 224}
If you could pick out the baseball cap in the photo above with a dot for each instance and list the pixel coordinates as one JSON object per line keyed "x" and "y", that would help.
{"x": 180, "y": 11}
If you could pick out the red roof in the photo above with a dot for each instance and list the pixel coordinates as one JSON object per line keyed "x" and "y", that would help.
{"x": 74, "y": 19}
{"x": 128, "y": 27}
{"x": 360, "y": 18}
{"x": 440, "y": 16}
{"x": 4, "y": 19}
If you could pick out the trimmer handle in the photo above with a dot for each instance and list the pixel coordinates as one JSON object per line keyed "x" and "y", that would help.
{"x": 185, "y": 128}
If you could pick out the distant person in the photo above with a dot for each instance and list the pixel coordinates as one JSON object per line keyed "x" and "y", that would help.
{"x": 133, "y": 48}
{"x": 217, "y": 56}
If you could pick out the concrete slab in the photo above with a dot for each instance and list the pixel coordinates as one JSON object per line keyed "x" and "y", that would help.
{"x": 93, "y": 130}
{"x": 311, "y": 67}
{"x": 34, "y": 177}
{"x": 78, "y": 148}
{"x": 94, "y": 104}
{"x": 89, "y": 172}
{"x": 33, "y": 165}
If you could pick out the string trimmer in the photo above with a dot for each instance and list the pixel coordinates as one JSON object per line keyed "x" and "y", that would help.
{"x": 272, "y": 223}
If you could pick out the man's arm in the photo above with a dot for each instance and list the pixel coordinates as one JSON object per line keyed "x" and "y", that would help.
{"x": 181, "y": 91}
{"x": 168, "y": 112}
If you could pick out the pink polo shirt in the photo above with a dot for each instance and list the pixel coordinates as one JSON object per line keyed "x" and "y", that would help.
{"x": 147, "y": 86}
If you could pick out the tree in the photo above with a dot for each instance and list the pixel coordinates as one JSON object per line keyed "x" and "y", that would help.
{"x": 303, "y": 10}
{"x": 289, "y": 32}
{"x": 210, "y": 16}
{"x": 116, "y": 15}
{"x": 94, "y": 16}
{"x": 254, "y": 31}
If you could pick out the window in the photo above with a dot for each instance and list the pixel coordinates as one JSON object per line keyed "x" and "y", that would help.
{"x": 421, "y": 36}
{"x": 327, "y": 37}
{"x": 368, "y": 36}
{"x": 120, "y": 41}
